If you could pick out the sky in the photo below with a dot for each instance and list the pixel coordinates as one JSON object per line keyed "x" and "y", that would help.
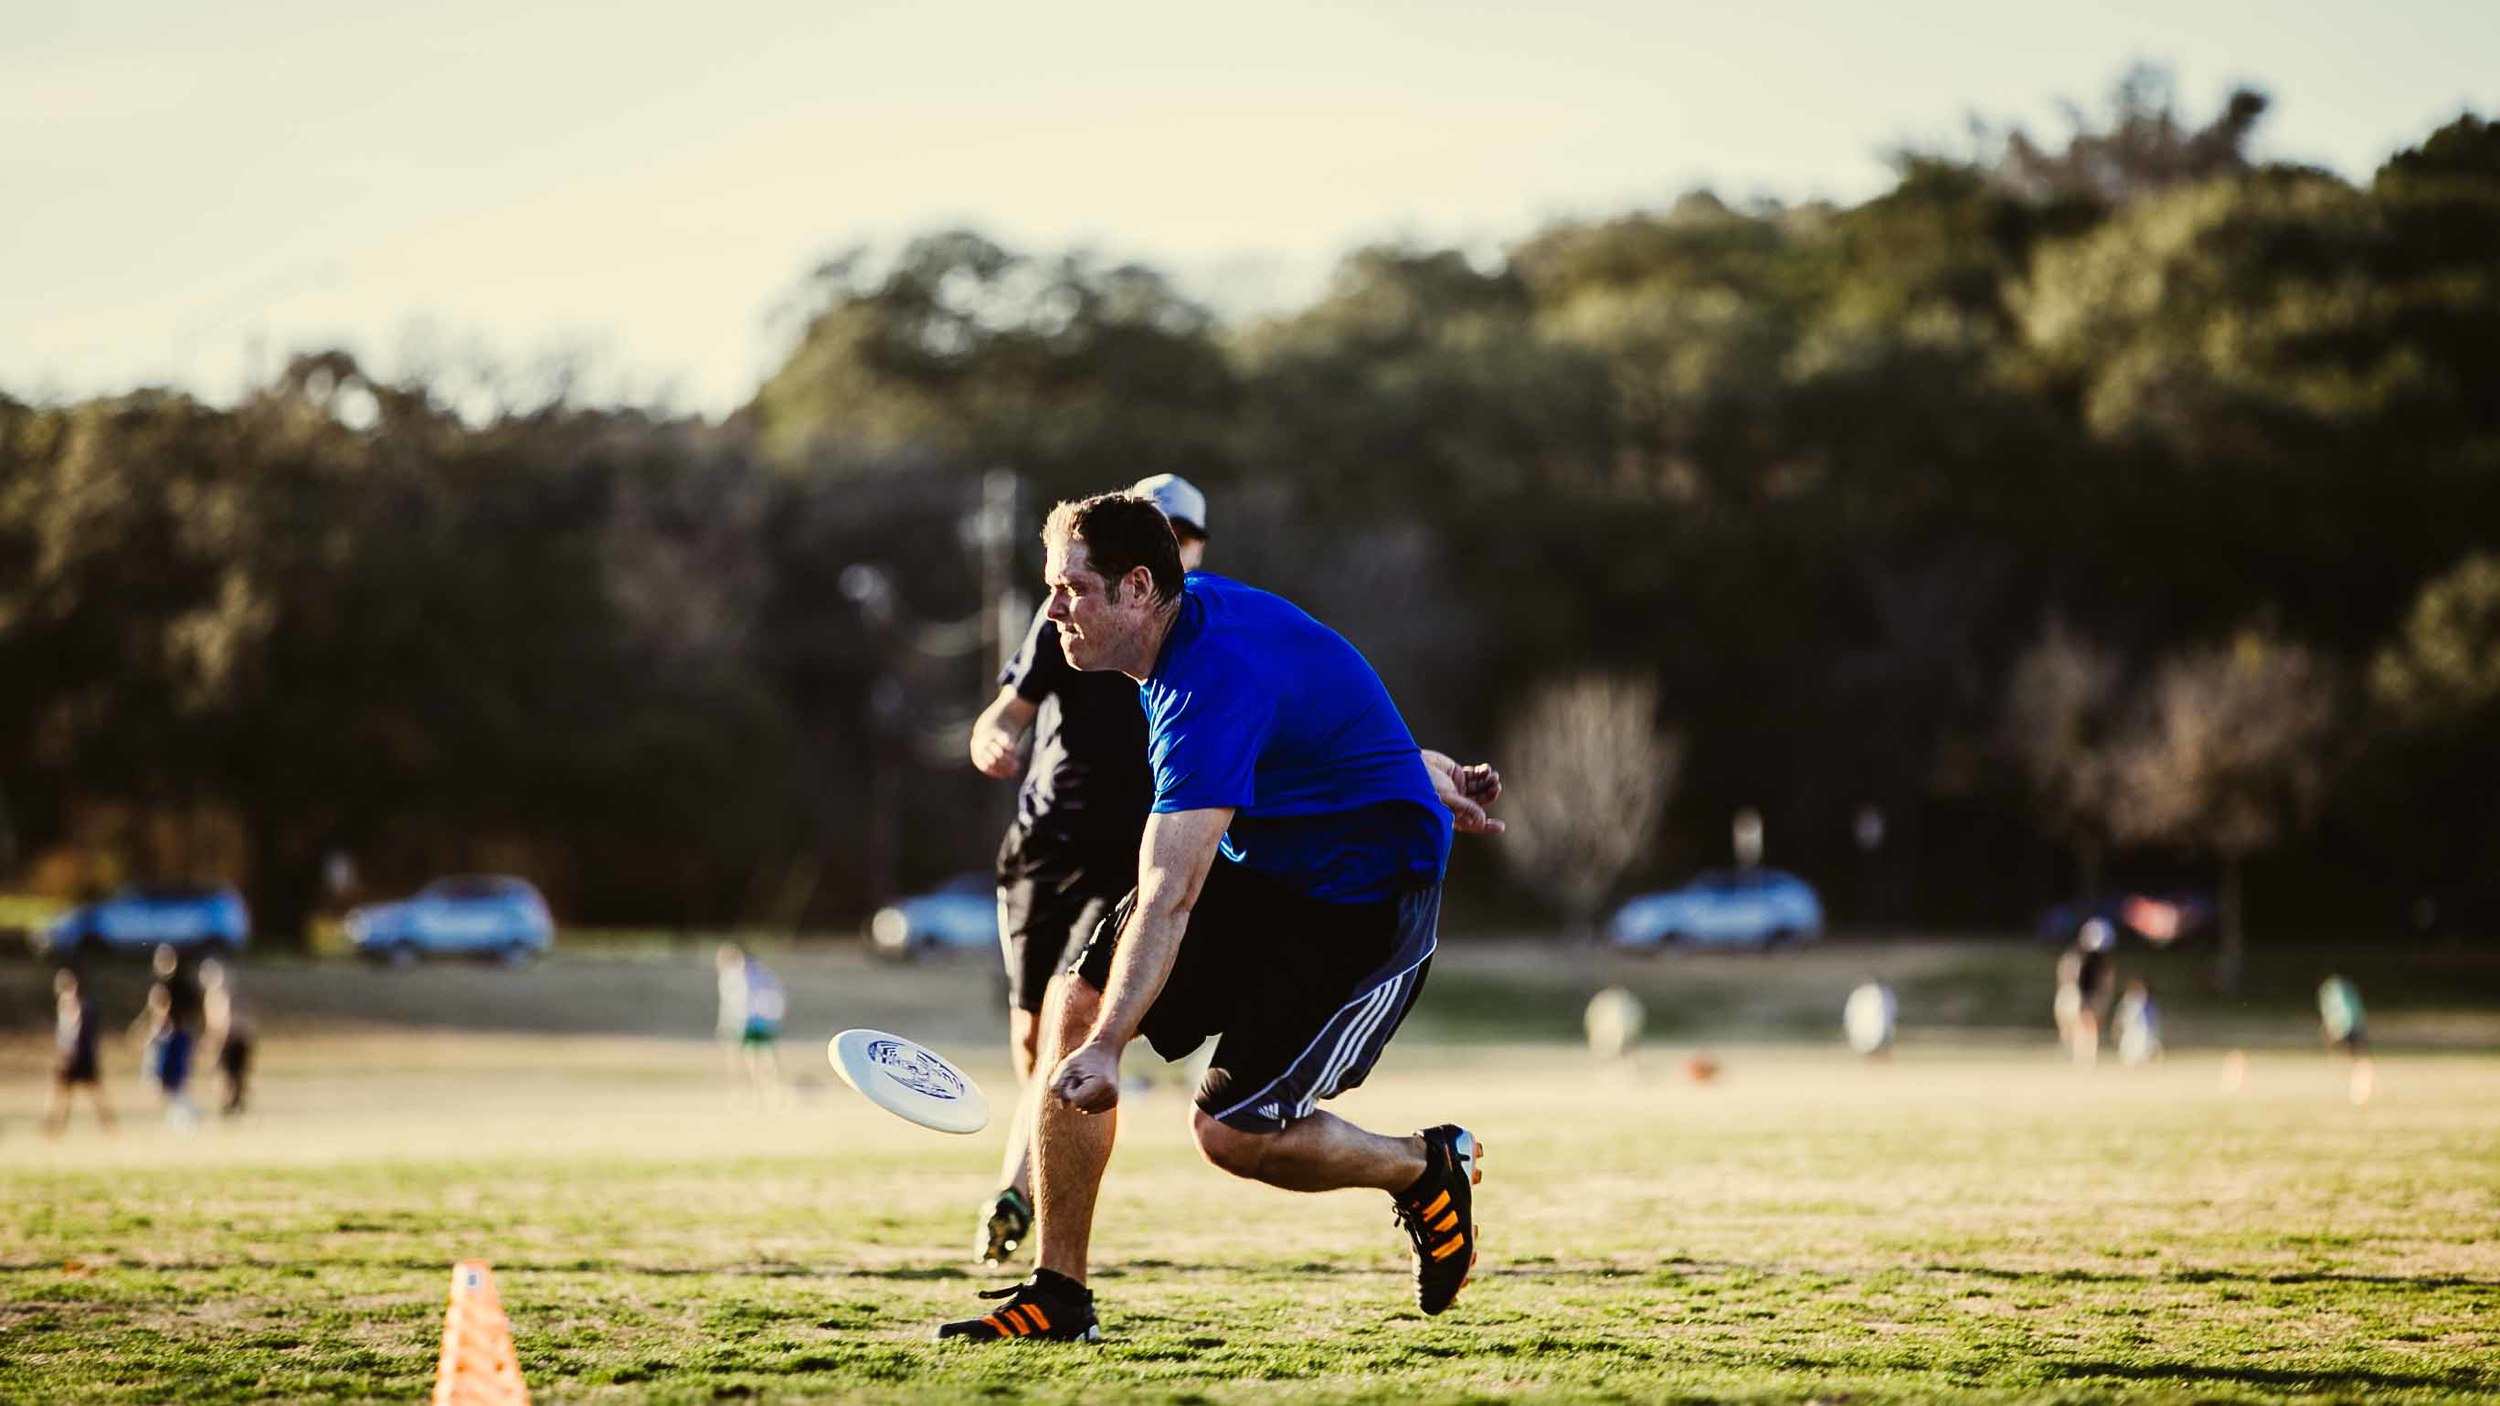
{"x": 196, "y": 189}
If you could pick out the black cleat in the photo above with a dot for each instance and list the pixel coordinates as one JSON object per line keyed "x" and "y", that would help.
{"x": 1438, "y": 1212}
{"x": 1006, "y": 1223}
{"x": 1047, "y": 1306}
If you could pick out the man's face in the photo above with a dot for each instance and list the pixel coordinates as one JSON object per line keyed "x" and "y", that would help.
{"x": 1099, "y": 621}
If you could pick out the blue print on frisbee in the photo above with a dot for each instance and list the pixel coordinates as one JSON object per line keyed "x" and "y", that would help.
{"x": 914, "y": 1069}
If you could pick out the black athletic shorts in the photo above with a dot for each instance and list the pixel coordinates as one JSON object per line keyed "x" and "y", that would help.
{"x": 1304, "y": 994}
{"x": 1047, "y": 908}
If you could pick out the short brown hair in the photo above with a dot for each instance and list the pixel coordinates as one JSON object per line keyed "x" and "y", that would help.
{"x": 1121, "y": 532}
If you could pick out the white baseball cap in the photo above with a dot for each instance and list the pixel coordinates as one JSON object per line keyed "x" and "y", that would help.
{"x": 1178, "y": 497}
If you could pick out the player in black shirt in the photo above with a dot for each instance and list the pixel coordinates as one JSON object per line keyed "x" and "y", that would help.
{"x": 76, "y": 1062}
{"x": 1072, "y": 852}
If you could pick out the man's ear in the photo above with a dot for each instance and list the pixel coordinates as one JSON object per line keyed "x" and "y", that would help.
{"x": 1142, "y": 579}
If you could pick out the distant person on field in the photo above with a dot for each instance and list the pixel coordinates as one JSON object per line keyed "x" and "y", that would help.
{"x": 2098, "y": 942}
{"x": 2086, "y": 985}
{"x": 1867, "y": 1018}
{"x": 170, "y": 1046}
{"x": 226, "y": 1035}
{"x": 2137, "y": 1027}
{"x": 751, "y": 1009}
{"x": 2067, "y": 1005}
{"x": 77, "y": 1061}
{"x": 180, "y": 985}
{"x": 1071, "y": 854}
{"x": 2340, "y": 1018}
{"x": 2346, "y": 1028}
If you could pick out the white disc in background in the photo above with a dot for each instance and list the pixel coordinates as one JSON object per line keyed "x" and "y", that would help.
{"x": 909, "y": 1080}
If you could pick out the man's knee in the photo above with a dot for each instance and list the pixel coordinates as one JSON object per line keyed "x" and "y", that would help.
{"x": 1229, "y": 1148}
{"x": 1076, "y": 1004}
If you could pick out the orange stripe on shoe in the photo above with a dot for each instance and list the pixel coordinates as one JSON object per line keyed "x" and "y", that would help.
{"x": 1447, "y": 1220}
{"x": 1450, "y": 1247}
{"x": 1041, "y": 1324}
{"x": 998, "y": 1325}
{"x": 1437, "y": 1203}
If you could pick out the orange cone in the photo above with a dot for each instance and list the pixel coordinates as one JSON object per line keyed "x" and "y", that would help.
{"x": 479, "y": 1367}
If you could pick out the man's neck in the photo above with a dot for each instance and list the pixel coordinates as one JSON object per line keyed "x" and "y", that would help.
{"x": 1150, "y": 644}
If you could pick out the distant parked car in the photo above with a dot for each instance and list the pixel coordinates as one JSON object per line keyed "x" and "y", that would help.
{"x": 473, "y": 915}
{"x": 1758, "y": 908}
{"x": 960, "y": 914}
{"x": 206, "y": 918}
{"x": 2159, "y": 919}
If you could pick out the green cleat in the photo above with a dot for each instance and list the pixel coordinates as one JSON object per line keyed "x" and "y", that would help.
{"x": 1006, "y": 1223}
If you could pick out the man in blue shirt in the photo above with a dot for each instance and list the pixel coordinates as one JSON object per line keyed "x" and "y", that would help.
{"x": 1298, "y": 839}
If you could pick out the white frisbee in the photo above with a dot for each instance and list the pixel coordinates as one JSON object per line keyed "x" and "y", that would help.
{"x": 909, "y": 1080}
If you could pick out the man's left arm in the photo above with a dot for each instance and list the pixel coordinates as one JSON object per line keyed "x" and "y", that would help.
{"x": 1466, "y": 790}
{"x": 1176, "y": 853}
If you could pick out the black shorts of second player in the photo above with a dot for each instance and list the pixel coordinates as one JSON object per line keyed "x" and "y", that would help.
{"x": 1045, "y": 917}
{"x": 1302, "y": 994}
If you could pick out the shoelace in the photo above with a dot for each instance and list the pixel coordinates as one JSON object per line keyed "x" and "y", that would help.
{"x": 1411, "y": 1219}
{"x": 1411, "y": 1216}
{"x": 1013, "y": 1291}
{"x": 1028, "y": 1300}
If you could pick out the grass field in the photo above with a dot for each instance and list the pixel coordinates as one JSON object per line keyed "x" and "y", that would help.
{"x": 1974, "y": 1221}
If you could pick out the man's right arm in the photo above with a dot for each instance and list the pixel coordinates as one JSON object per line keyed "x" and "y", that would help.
{"x": 996, "y": 732}
{"x": 1174, "y": 857}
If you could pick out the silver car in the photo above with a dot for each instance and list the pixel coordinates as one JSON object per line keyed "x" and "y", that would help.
{"x": 1751, "y": 908}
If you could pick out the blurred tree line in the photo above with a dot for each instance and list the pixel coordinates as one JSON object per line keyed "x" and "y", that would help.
{"x": 2113, "y": 495}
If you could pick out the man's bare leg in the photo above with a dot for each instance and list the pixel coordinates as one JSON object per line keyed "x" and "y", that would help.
{"x": 1071, "y": 1148}
{"x": 1322, "y": 1152}
{"x": 1015, "y": 1168}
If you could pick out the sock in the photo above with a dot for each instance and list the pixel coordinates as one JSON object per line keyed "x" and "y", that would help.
{"x": 1060, "y": 1284}
{"x": 1432, "y": 1164}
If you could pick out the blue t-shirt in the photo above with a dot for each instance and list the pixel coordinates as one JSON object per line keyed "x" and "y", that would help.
{"x": 1255, "y": 705}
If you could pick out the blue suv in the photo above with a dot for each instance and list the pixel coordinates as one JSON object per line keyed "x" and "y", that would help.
{"x": 474, "y": 915}
{"x": 206, "y": 918}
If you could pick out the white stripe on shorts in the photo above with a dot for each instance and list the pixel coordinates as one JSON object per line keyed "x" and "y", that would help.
{"x": 1379, "y": 994}
{"x": 1349, "y": 1044}
{"x": 1351, "y": 1047}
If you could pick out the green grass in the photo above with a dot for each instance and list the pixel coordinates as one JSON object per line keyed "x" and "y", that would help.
{"x": 1967, "y": 1223}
